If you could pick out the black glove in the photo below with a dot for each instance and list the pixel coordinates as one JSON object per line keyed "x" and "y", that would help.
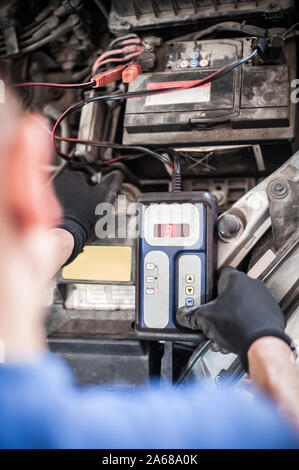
{"x": 79, "y": 199}
{"x": 243, "y": 312}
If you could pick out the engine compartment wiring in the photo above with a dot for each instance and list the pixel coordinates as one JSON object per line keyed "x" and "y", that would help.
{"x": 120, "y": 96}
{"x": 175, "y": 165}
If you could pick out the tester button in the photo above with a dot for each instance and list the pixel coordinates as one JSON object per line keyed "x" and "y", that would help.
{"x": 189, "y": 290}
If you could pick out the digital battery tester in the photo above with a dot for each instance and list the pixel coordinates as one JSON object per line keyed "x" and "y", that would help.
{"x": 176, "y": 259}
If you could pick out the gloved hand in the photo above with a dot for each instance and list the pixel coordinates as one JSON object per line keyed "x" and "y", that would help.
{"x": 243, "y": 312}
{"x": 79, "y": 199}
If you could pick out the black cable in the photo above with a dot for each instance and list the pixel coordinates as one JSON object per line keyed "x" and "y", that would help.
{"x": 176, "y": 177}
{"x": 102, "y": 9}
{"x": 43, "y": 15}
{"x": 59, "y": 31}
{"x": 133, "y": 148}
{"x": 29, "y": 32}
{"x": 288, "y": 31}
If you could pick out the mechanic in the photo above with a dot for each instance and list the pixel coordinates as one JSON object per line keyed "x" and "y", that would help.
{"x": 40, "y": 405}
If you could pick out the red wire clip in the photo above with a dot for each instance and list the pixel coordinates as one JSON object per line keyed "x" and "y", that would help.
{"x": 131, "y": 72}
{"x": 104, "y": 78}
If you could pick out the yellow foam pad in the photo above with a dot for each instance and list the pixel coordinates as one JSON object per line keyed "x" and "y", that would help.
{"x": 101, "y": 263}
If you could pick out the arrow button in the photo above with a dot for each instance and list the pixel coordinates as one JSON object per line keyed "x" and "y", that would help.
{"x": 189, "y": 290}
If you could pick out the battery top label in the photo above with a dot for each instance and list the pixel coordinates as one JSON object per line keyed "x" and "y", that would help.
{"x": 198, "y": 94}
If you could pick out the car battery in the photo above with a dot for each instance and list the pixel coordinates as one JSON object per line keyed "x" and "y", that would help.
{"x": 252, "y": 96}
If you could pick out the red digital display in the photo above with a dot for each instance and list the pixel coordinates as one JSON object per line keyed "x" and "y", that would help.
{"x": 167, "y": 231}
{"x": 171, "y": 230}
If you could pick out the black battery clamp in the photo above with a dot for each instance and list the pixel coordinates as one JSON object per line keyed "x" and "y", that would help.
{"x": 176, "y": 261}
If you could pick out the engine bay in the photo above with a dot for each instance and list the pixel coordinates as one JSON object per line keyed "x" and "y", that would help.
{"x": 199, "y": 95}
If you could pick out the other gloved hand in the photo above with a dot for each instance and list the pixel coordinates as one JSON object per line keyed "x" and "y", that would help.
{"x": 243, "y": 312}
{"x": 79, "y": 199}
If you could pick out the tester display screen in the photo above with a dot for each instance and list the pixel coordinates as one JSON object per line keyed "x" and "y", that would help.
{"x": 171, "y": 230}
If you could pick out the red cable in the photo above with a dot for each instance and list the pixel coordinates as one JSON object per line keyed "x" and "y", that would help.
{"x": 128, "y": 49}
{"x": 53, "y": 137}
{"x": 131, "y": 41}
{"x": 56, "y": 85}
{"x": 122, "y": 59}
{"x": 115, "y": 159}
{"x": 103, "y": 56}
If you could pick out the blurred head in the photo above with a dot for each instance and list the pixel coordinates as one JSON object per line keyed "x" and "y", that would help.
{"x": 28, "y": 208}
{"x": 26, "y": 200}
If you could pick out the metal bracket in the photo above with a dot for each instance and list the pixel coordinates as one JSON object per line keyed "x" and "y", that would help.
{"x": 284, "y": 210}
{"x": 252, "y": 214}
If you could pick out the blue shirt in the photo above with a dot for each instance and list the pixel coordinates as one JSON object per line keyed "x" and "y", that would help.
{"x": 41, "y": 407}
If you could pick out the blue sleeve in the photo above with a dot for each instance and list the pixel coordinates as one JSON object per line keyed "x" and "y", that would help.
{"x": 40, "y": 407}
